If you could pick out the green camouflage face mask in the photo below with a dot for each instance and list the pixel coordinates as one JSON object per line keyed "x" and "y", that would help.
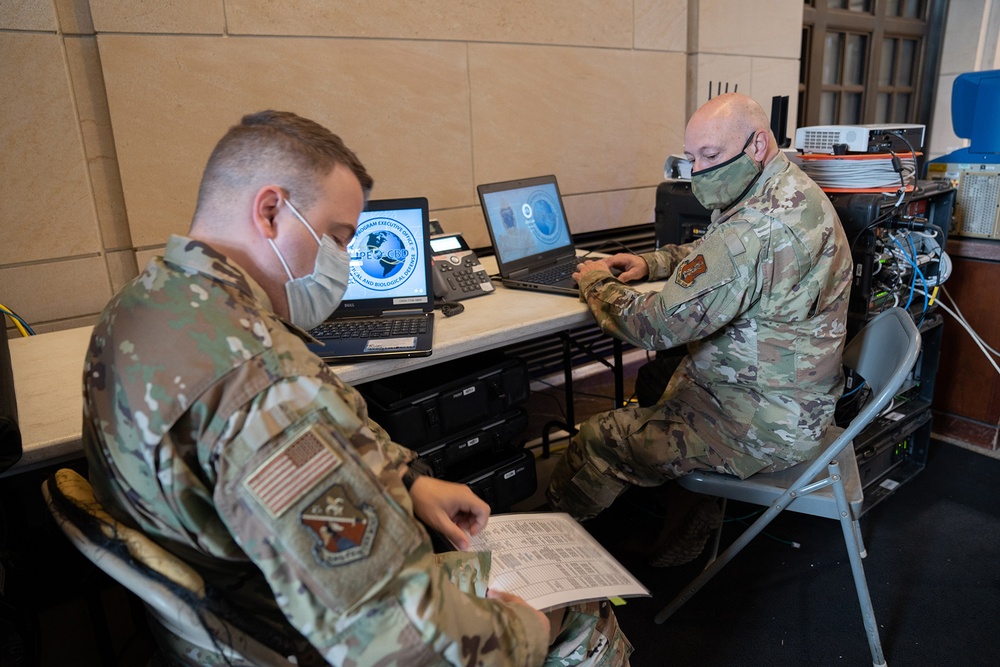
{"x": 723, "y": 185}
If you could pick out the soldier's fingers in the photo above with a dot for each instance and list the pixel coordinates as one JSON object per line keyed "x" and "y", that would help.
{"x": 453, "y": 533}
{"x": 477, "y": 520}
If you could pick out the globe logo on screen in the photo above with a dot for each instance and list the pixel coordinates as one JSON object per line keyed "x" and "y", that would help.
{"x": 383, "y": 254}
{"x": 545, "y": 218}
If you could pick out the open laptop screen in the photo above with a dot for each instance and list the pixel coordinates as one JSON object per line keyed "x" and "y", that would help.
{"x": 526, "y": 218}
{"x": 389, "y": 259}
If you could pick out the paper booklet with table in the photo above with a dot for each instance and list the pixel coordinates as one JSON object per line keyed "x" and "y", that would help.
{"x": 550, "y": 560}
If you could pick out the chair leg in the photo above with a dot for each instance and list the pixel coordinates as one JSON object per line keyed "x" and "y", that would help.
{"x": 706, "y": 575}
{"x": 861, "y": 541}
{"x": 713, "y": 551}
{"x": 847, "y": 524}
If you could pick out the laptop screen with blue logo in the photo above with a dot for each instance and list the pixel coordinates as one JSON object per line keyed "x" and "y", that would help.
{"x": 390, "y": 267}
{"x": 388, "y": 307}
{"x": 530, "y": 234}
{"x": 525, "y": 218}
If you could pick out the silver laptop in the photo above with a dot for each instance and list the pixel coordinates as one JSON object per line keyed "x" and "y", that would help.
{"x": 531, "y": 239}
{"x": 387, "y": 310}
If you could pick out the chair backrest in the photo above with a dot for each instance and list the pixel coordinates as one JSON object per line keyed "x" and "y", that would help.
{"x": 172, "y": 591}
{"x": 883, "y": 353}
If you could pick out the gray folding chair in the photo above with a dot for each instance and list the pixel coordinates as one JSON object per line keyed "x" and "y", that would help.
{"x": 174, "y": 594}
{"x": 883, "y": 353}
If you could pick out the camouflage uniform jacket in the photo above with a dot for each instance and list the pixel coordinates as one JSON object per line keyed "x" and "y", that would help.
{"x": 209, "y": 425}
{"x": 761, "y": 302}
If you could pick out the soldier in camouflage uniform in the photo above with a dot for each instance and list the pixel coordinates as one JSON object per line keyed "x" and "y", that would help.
{"x": 210, "y": 426}
{"x": 760, "y": 301}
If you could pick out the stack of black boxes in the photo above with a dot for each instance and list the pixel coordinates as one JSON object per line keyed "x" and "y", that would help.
{"x": 464, "y": 418}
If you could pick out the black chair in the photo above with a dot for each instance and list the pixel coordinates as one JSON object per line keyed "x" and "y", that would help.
{"x": 174, "y": 594}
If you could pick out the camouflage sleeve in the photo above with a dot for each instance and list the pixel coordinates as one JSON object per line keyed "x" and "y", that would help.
{"x": 396, "y": 453}
{"x": 313, "y": 501}
{"x": 662, "y": 262}
{"x": 712, "y": 285}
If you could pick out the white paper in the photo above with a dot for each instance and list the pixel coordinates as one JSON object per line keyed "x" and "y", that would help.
{"x": 549, "y": 560}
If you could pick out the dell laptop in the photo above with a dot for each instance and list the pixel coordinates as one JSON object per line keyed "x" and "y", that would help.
{"x": 531, "y": 239}
{"x": 388, "y": 309}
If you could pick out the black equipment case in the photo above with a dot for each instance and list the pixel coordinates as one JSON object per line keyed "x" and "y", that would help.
{"x": 426, "y": 405}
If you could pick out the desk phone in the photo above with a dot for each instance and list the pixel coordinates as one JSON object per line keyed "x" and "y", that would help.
{"x": 456, "y": 269}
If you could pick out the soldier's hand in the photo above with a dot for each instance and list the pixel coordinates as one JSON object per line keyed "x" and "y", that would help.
{"x": 586, "y": 266}
{"x": 510, "y": 598}
{"x": 632, "y": 267}
{"x": 453, "y": 510}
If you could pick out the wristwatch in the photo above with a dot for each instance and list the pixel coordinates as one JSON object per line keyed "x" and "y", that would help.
{"x": 415, "y": 470}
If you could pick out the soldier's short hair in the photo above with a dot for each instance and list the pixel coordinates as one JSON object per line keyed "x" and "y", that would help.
{"x": 276, "y": 147}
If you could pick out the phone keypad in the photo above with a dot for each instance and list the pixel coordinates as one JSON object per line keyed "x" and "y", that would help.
{"x": 466, "y": 276}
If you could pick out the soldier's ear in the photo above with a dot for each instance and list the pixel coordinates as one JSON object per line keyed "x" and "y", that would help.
{"x": 758, "y": 145}
{"x": 266, "y": 204}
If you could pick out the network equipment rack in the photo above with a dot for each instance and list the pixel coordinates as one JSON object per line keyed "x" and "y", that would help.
{"x": 897, "y": 246}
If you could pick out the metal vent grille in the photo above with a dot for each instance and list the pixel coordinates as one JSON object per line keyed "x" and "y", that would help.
{"x": 978, "y": 205}
{"x": 820, "y": 141}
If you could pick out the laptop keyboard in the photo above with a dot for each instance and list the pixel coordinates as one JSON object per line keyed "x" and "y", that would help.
{"x": 374, "y": 328}
{"x": 554, "y": 274}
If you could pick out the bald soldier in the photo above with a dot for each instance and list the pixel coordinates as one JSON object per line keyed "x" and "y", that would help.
{"x": 760, "y": 301}
{"x": 210, "y": 426}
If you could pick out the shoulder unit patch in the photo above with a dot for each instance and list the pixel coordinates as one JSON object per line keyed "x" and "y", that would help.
{"x": 344, "y": 528}
{"x": 689, "y": 270}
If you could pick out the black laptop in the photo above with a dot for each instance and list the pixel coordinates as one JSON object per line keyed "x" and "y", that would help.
{"x": 388, "y": 309}
{"x": 531, "y": 239}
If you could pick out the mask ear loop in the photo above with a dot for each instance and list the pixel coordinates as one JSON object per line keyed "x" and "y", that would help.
{"x": 281, "y": 259}
{"x": 752, "y": 137}
{"x": 301, "y": 219}
{"x": 275, "y": 248}
{"x": 295, "y": 212}
{"x": 750, "y": 140}
{"x": 755, "y": 178}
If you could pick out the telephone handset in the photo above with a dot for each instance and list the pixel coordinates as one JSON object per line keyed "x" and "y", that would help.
{"x": 457, "y": 271}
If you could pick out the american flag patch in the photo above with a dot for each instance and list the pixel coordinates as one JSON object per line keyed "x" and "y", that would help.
{"x": 287, "y": 475}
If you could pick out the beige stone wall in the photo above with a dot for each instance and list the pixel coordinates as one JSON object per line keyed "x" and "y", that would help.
{"x": 113, "y": 106}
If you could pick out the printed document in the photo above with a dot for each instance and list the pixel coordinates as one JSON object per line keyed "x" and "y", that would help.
{"x": 549, "y": 560}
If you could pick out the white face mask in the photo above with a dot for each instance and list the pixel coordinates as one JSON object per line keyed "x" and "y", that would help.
{"x": 312, "y": 298}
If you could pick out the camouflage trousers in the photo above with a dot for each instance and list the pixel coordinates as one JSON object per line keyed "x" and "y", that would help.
{"x": 641, "y": 446}
{"x": 589, "y": 637}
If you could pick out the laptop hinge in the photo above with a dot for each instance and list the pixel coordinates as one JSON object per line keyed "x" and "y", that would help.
{"x": 409, "y": 311}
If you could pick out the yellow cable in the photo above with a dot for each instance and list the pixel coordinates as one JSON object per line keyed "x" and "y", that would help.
{"x": 933, "y": 296}
{"x": 17, "y": 323}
